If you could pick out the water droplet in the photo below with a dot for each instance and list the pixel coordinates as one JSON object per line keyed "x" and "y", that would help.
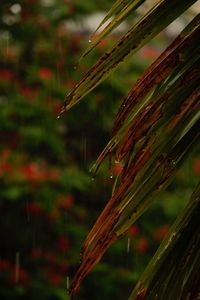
{"x": 171, "y": 238}
{"x": 111, "y": 176}
{"x": 93, "y": 179}
{"x": 58, "y": 117}
{"x": 75, "y": 67}
{"x": 89, "y": 41}
{"x": 173, "y": 162}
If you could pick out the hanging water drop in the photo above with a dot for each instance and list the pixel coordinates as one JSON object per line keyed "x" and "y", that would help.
{"x": 173, "y": 162}
{"x": 111, "y": 176}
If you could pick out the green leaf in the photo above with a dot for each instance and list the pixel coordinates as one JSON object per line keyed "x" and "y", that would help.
{"x": 149, "y": 26}
{"x": 173, "y": 272}
{"x": 155, "y": 130}
{"x": 142, "y": 100}
{"x": 120, "y": 15}
{"x": 132, "y": 198}
{"x": 115, "y": 10}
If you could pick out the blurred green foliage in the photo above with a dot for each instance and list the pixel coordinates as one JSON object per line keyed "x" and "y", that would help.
{"x": 48, "y": 199}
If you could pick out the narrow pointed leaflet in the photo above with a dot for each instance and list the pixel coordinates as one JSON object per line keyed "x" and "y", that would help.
{"x": 149, "y": 26}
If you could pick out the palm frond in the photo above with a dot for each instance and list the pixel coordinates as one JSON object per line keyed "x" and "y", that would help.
{"x": 160, "y": 16}
{"x": 115, "y": 9}
{"x": 121, "y": 11}
{"x": 142, "y": 97}
{"x": 129, "y": 202}
{"x": 173, "y": 272}
{"x": 157, "y": 126}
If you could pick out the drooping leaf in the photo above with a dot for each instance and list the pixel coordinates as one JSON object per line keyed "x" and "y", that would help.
{"x": 156, "y": 128}
{"x": 117, "y": 218}
{"x": 149, "y": 26}
{"x": 143, "y": 164}
{"x": 173, "y": 272}
{"x": 115, "y": 9}
{"x": 120, "y": 15}
{"x": 150, "y": 169}
{"x": 169, "y": 64}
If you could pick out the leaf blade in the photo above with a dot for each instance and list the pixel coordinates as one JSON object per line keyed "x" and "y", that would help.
{"x": 155, "y": 21}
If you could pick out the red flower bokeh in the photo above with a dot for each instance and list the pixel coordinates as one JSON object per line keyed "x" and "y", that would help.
{"x": 45, "y": 74}
{"x": 36, "y": 173}
{"x": 196, "y": 166}
{"x": 29, "y": 92}
{"x": 65, "y": 202}
{"x": 22, "y": 278}
{"x": 63, "y": 268}
{"x": 142, "y": 245}
{"x": 36, "y": 253}
{"x": 63, "y": 244}
{"x": 5, "y": 167}
{"x": 55, "y": 279}
{"x": 160, "y": 233}
{"x": 134, "y": 230}
{"x": 149, "y": 53}
{"x": 4, "y": 264}
{"x": 34, "y": 208}
{"x": 6, "y": 75}
{"x": 5, "y": 154}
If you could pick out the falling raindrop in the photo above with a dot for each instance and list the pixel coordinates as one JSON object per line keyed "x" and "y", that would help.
{"x": 67, "y": 282}
{"x": 128, "y": 244}
{"x": 17, "y": 264}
